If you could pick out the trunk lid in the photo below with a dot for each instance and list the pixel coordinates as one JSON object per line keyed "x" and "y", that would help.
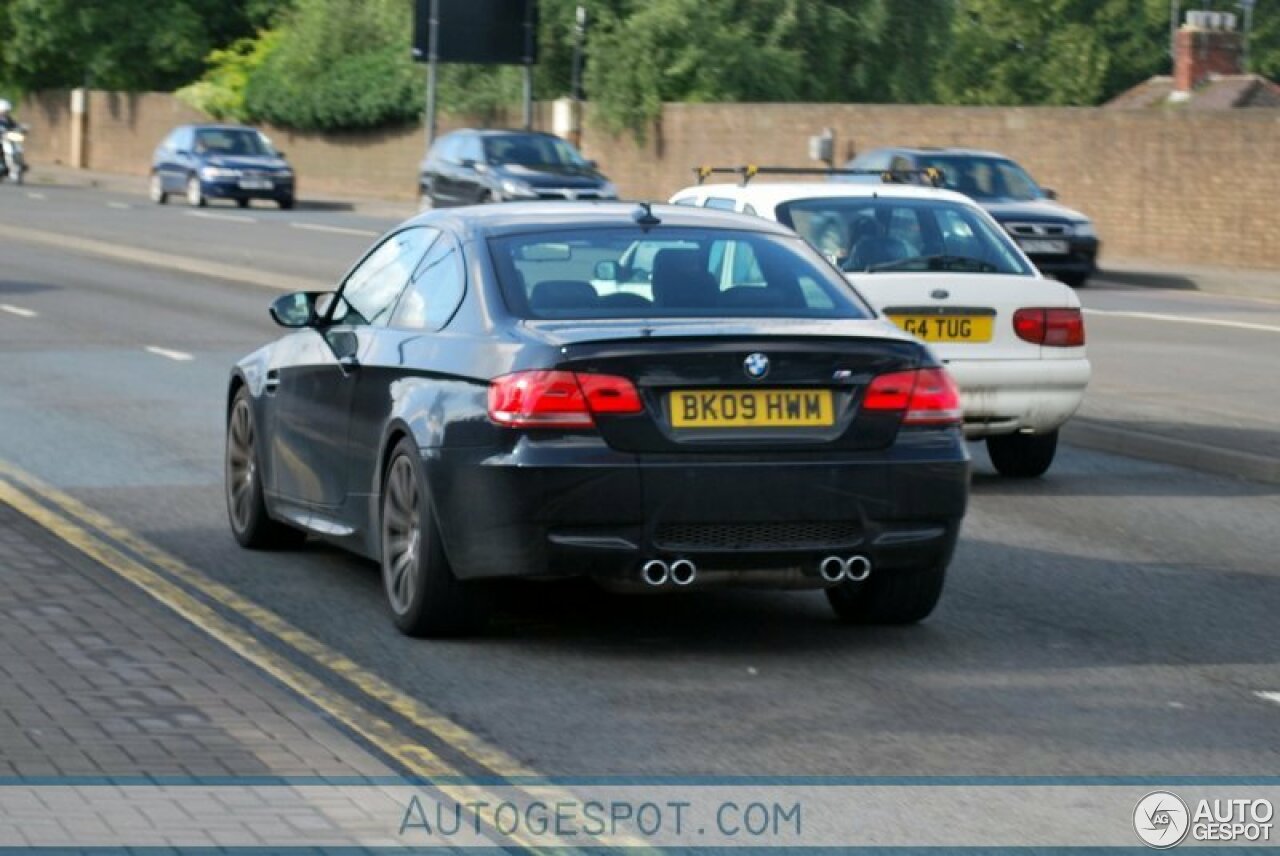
{"x": 700, "y": 395}
{"x": 946, "y": 301}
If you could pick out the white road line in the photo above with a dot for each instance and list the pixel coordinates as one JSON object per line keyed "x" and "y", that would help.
{"x": 18, "y": 310}
{"x": 39, "y": 196}
{"x": 1182, "y": 319}
{"x": 233, "y": 218}
{"x": 120, "y": 205}
{"x": 176, "y": 356}
{"x": 338, "y": 230}
{"x": 1275, "y": 697}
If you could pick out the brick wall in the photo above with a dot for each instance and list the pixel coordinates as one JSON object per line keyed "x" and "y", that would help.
{"x": 1162, "y": 185}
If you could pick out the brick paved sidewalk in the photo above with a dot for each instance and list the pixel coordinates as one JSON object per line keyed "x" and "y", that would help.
{"x": 96, "y": 679}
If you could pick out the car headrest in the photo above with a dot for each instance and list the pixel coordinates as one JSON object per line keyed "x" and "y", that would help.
{"x": 681, "y": 279}
{"x": 557, "y": 294}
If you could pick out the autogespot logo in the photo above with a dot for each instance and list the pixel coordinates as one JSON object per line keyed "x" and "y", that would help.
{"x": 1161, "y": 820}
{"x": 756, "y": 366}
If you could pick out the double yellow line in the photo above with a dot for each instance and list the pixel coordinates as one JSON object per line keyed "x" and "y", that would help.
{"x": 78, "y": 525}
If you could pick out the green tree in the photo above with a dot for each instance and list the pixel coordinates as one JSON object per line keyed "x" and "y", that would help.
{"x": 1264, "y": 41}
{"x": 115, "y": 44}
{"x": 1051, "y": 51}
{"x": 686, "y": 50}
{"x": 338, "y": 64}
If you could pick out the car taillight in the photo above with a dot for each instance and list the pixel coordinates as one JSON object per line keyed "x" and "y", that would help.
{"x": 925, "y": 396}
{"x": 1056, "y": 328}
{"x": 551, "y": 399}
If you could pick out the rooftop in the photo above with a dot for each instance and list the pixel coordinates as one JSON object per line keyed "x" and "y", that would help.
{"x": 1218, "y": 92}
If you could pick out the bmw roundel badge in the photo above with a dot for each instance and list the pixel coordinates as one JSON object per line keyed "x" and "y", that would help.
{"x": 756, "y": 366}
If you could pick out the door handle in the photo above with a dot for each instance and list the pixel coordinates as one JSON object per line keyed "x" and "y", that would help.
{"x": 272, "y": 382}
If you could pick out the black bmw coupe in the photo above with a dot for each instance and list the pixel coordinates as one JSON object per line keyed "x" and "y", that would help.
{"x": 660, "y": 398}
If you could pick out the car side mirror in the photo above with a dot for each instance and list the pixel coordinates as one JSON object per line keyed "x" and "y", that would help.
{"x": 1050, "y": 193}
{"x": 467, "y": 163}
{"x": 593, "y": 164}
{"x": 297, "y": 310}
{"x": 183, "y": 153}
{"x": 607, "y": 271}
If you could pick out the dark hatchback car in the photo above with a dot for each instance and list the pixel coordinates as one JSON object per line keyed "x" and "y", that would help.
{"x": 470, "y": 167}
{"x": 204, "y": 162}
{"x": 1061, "y": 242}
{"x": 485, "y": 396}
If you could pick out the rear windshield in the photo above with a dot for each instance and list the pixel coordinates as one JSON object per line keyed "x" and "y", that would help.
{"x": 668, "y": 273}
{"x": 882, "y": 234}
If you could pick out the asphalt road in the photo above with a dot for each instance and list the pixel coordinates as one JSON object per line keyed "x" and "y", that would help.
{"x": 1117, "y": 617}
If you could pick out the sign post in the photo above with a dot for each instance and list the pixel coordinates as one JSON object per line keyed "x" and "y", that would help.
{"x": 478, "y": 32}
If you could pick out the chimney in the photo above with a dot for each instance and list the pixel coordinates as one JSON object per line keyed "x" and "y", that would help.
{"x": 1207, "y": 44}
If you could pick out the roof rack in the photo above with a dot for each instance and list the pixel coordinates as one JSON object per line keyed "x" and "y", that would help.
{"x": 932, "y": 175}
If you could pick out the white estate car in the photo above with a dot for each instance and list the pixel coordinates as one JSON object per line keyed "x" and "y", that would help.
{"x": 933, "y": 262}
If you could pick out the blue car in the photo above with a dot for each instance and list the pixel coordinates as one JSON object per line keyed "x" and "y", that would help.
{"x": 204, "y": 162}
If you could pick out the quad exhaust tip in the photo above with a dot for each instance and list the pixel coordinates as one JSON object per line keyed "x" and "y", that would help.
{"x": 683, "y": 572}
{"x": 834, "y": 569}
{"x": 655, "y": 572}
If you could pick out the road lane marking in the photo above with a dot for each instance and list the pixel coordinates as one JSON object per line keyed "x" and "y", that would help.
{"x": 230, "y": 218}
{"x": 419, "y": 760}
{"x": 176, "y": 356}
{"x": 150, "y": 258}
{"x": 18, "y": 310}
{"x": 1182, "y": 319}
{"x": 76, "y": 530}
{"x": 337, "y": 230}
{"x": 121, "y": 206}
{"x": 39, "y": 197}
{"x": 1269, "y": 696}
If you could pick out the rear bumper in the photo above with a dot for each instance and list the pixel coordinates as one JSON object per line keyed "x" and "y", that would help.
{"x": 1004, "y": 396}
{"x": 575, "y": 507}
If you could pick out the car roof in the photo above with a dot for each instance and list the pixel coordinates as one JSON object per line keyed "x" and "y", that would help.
{"x": 219, "y": 126}
{"x": 500, "y": 132}
{"x": 774, "y": 193}
{"x": 510, "y": 218}
{"x": 941, "y": 150}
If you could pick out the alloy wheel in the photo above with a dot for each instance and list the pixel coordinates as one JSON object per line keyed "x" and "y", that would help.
{"x": 401, "y": 535}
{"x": 242, "y": 472}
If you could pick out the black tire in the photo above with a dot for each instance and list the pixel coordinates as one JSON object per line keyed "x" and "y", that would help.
{"x": 247, "y": 513}
{"x": 1023, "y": 456}
{"x": 286, "y": 203}
{"x": 902, "y": 596}
{"x": 242, "y": 203}
{"x": 424, "y": 596}
{"x": 155, "y": 190}
{"x": 1075, "y": 280}
{"x": 195, "y": 193}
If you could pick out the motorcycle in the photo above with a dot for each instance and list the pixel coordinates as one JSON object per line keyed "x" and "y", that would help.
{"x": 14, "y": 142}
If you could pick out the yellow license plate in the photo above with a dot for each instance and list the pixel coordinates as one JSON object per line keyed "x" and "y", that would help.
{"x": 751, "y": 408}
{"x": 946, "y": 328}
